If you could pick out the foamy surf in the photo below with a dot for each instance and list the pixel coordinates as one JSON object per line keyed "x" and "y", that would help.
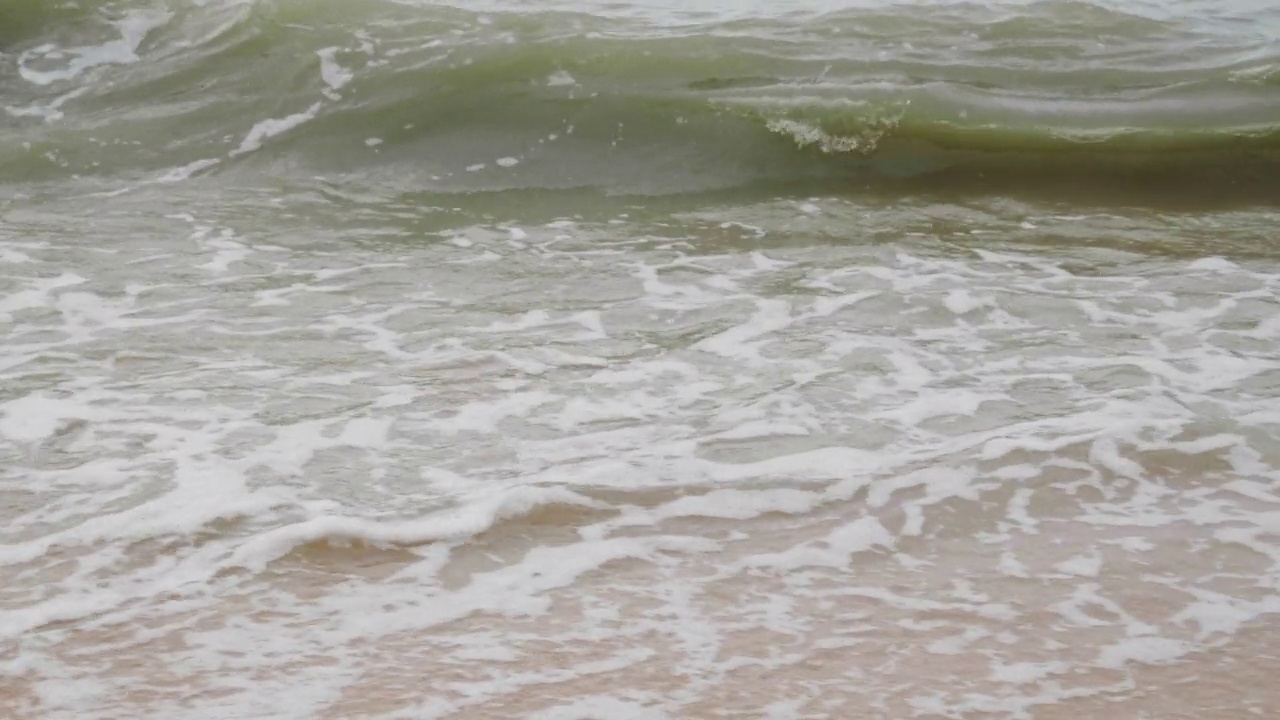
{"x": 833, "y": 484}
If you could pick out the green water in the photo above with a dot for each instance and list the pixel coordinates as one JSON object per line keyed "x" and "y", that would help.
{"x": 899, "y": 98}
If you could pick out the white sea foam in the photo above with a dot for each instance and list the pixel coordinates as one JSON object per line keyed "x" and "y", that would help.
{"x": 353, "y": 470}
{"x": 47, "y": 64}
{"x": 334, "y": 75}
{"x": 560, "y": 78}
{"x": 182, "y": 173}
{"x": 264, "y": 130}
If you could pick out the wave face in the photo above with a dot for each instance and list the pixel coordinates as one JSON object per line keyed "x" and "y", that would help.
{"x": 648, "y": 101}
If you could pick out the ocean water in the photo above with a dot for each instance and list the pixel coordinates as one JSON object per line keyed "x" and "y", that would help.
{"x": 639, "y": 359}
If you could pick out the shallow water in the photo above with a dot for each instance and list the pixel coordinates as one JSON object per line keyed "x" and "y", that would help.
{"x": 568, "y": 360}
